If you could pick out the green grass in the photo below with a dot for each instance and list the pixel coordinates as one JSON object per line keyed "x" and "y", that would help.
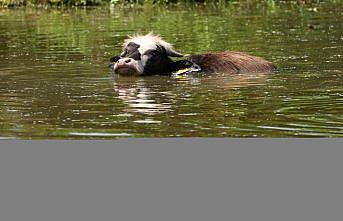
{"x": 17, "y": 3}
{"x": 34, "y": 3}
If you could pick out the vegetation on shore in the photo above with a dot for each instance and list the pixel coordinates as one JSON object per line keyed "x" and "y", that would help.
{"x": 35, "y": 3}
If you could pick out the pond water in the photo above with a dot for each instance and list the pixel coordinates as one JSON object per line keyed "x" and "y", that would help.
{"x": 55, "y": 83}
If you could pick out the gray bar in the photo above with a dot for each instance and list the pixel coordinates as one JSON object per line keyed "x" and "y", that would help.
{"x": 172, "y": 180}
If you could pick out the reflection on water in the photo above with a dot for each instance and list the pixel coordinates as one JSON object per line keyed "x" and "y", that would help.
{"x": 140, "y": 98}
{"x": 55, "y": 82}
{"x": 146, "y": 96}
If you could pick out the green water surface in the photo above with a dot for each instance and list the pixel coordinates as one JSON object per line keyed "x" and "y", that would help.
{"x": 55, "y": 83}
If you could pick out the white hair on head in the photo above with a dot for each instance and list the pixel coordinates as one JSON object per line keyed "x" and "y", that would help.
{"x": 150, "y": 42}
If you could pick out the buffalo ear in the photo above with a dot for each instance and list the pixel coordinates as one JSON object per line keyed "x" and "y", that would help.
{"x": 171, "y": 52}
{"x": 115, "y": 59}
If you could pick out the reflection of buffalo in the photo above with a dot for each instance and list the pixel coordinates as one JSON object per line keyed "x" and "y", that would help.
{"x": 149, "y": 54}
{"x": 142, "y": 98}
{"x": 155, "y": 95}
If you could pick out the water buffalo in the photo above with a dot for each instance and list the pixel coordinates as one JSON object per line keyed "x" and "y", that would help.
{"x": 150, "y": 55}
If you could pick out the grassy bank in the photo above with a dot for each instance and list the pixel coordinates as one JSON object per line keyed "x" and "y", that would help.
{"x": 35, "y": 3}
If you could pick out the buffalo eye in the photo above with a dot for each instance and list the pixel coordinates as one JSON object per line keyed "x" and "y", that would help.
{"x": 151, "y": 53}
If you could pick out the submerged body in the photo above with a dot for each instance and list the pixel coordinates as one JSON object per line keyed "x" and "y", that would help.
{"x": 150, "y": 55}
{"x": 232, "y": 62}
